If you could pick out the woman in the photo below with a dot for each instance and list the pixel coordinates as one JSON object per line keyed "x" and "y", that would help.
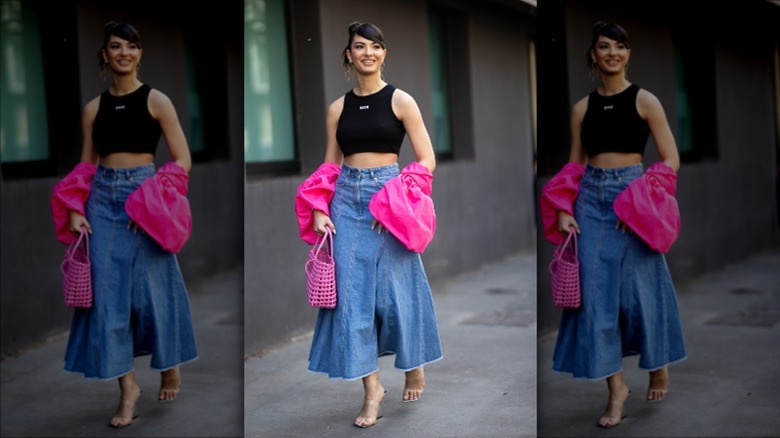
{"x": 140, "y": 301}
{"x": 384, "y": 300}
{"x": 628, "y": 299}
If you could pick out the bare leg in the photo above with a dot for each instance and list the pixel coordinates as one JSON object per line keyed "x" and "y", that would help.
{"x": 659, "y": 384}
{"x": 129, "y": 393}
{"x": 374, "y": 394}
{"x": 618, "y": 392}
{"x": 415, "y": 384}
{"x": 169, "y": 385}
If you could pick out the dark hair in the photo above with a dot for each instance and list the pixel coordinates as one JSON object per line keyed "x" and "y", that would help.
{"x": 365, "y": 30}
{"x": 610, "y": 30}
{"x": 121, "y": 30}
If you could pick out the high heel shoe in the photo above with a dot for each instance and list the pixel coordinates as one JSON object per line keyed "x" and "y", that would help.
{"x": 611, "y": 420}
{"x": 362, "y": 424}
{"x": 122, "y": 422}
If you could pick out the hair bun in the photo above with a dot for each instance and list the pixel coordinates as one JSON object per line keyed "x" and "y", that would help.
{"x": 354, "y": 26}
{"x": 110, "y": 25}
{"x": 598, "y": 26}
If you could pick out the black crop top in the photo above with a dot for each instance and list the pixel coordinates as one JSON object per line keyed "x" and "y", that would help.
{"x": 123, "y": 124}
{"x": 612, "y": 124}
{"x": 368, "y": 124}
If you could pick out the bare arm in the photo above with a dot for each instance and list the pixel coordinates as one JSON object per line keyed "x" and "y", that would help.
{"x": 332, "y": 155}
{"x": 576, "y": 155}
{"x": 88, "y": 155}
{"x": 332, "y": 151}
{"x": 88, "y": 152}
{"x": 161, "y": 108}
{"x": 408, "y": 113}
{"x": 651, "y": 110}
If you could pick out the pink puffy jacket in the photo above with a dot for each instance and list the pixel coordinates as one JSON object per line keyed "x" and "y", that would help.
{"x": 71, "y": 194}
{"x": 404, "y": 206}
{"x": 649, "y": 208}
{"x": 160, "y": 207}
{"x": 315, "y": 193}
{"x": 559, "y": 193}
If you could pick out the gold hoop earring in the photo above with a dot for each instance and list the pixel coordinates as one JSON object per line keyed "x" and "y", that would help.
{"x": 382, "y": 71}
{"x": 103, "y": 72}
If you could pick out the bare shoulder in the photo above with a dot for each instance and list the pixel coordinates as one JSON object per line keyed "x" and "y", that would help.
{"x": 334, "y": 111}
{"x": 645, "y": 97}
{"x": 402, "y": 98}
{"x": 91, "y": 109}
{"x": 647, "y": 103}
{"x": 579, "y": 108}
{"x": 336, "y": 106}
{"x": 160, "y": 105}
{"x": 158, "y": 99}
{"x": 404, "y": 105}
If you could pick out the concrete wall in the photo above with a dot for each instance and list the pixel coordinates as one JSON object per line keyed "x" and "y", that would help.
{"x": 728, "y": 205}
{"x": 32, "y": 307}
{"x": 482, "y": 203}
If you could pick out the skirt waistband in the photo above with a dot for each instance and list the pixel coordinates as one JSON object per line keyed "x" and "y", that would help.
{"x": 146, "y": 170}
{"x": 634, "y": 170}
{"x": 356, "y": 173}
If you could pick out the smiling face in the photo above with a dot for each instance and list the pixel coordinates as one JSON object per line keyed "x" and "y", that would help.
{"x": 122, "y": 56}
{"x": 610, "y": 56}
{"x": 365, "y": 55}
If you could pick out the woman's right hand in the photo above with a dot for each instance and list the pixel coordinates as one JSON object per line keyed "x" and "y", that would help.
{"x": 566, "y": 221}
{"x": 322, "y": 221}
{"x": 77, "y": 221}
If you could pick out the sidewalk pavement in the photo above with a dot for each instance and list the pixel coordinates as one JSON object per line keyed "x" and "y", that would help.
{"x": 485, "y": 386}
{"x": 729, "y": 385}
{"x": 39, "y": 399}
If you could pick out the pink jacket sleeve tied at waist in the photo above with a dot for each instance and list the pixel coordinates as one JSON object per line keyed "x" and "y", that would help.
{"x": 71, "y": 194}
{"x": 160, "y": 207}
{"x": 559, "y": 193}
{"x": 315, "y": 193}
{"x": 404, "y": 206}
{"x": 648, "y": 207}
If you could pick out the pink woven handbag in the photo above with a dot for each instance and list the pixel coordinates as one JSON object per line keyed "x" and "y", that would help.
{"x": 321, "y": 274}
{"x": 77, "y": 274}
{"x": 565, "y": 274}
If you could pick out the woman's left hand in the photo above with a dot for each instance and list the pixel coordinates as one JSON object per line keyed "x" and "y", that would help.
{"x": 134, "y": 226}
{"x": 620, "y": 225}
{"x": 378, "y": 226}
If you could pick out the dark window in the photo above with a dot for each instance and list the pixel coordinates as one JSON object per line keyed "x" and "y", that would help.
{"x": 451, "y": 129}
{"x": 269, "y": 129}
{"x": 694, "y": 63}
{"x": 39, "y": 89}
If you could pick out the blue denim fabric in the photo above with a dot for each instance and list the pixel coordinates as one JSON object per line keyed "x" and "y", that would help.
{"x": 629, "y": 304}
{"x": 140, "y": 303}
{"x": 384, "y": 301}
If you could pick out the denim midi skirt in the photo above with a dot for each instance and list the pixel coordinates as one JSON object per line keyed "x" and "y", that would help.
{"x": 629, "y": 305}
{"x": 384, "y": 303}
{"x": 140, "y": 304}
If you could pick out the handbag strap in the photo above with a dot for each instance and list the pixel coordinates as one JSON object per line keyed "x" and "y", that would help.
{"x": 328, "y": 235}
{"x": 572, "y": 233}
{"x": 74, "y": 245}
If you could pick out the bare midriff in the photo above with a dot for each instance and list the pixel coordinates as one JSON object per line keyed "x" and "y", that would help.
{"x": 365, "y": 160}
{"x": 608, "y": 160}
{"x": 119, "y": 160}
